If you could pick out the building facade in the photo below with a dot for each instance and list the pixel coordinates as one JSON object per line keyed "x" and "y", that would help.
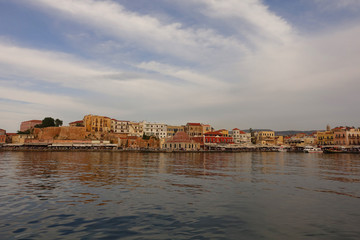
{"x": 136, "y": 129}
{"x": 2, "y": 136}
{"x": 158, "y": 130}
{"x": 94, "y": 123}
{"x": 206, "y": 128}
{"x": 119, "y": 126}
{"x": 194, "y": 129}
{"x": 27, "y": 125}
{"x": 172, "y": 130}
{"x": 325, "y": 138}
{"x": 347, "y": 137}
{"x": 79, "y": 123}
{"x": 265, "y": 137}
{"x": 240, "y": 137}
{"x": 181, "y": 141}
{"x": 217, "y": 137}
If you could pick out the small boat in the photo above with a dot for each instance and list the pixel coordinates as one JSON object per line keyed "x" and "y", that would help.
{"x": 335, "y": 150}
{"x": 282, "y": 149}
{"x": 311, "y": 149}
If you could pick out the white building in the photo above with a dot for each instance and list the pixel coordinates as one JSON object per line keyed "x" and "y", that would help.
{"x": 154, "y": 129}
{"x": 240, "y": 137}
{"x": 136, "y": 129}
{"x": 119, "y": 126}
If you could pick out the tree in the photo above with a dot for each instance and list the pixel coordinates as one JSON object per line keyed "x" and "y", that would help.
{"x": 24, "y": 132}
{"x": 58, "y": 122}
{"x": 145, "y": 137}
{"x": 49, "y": 122}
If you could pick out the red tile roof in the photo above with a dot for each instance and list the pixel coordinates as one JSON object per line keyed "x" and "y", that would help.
{"x": 194, "y": 124}
{"x": 180, "y": 137}
{"x": 80, "y": 121}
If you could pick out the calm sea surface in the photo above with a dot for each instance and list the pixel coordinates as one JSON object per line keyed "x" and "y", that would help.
{"x": 104, "y": 195}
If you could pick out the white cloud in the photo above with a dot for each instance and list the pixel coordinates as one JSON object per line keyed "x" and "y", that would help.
{"x": 331, "y": 5}
{"x": 263, "y": 22}
{"x": 150, "y": 33}
{"x": 261, "y": 70}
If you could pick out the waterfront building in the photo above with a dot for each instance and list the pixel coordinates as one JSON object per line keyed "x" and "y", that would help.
{"x": 240, "y": 137}
{"x": 181, "y": 141}
{"x": 194, "y": 129}
{"x": 136, "y": 129}
{"x": 224, "y": 132}
{"x": 134, "y": 142}
{"x": 27, "y": 125}
{"x": 79, "y": 123}
{"x": 94, "y": 123}
{"x": 346, "y": 136}
{"x": 325, "y": 138}
{"x": 119, "y": 126}
{"x": 279, "y": 140}
{"x": 301, "y": 140}
{"x": 217, "y": 137}
{"x": 2, "y": 136}
{"x": 206, "y": 128}
{"x": 265, "y": 137}
{"x": 2, "y": 132}
{"x": 172, "y": 130}
{"x": 9, "y": 137}
{"x": 20, "y": 138}
{"x": 158, "y": 130}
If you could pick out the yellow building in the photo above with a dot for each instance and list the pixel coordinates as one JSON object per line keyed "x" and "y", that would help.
{"x": 325, "y": 138}
{"x": 265, "y": 137}
{"x": 206, "y": 128}
{"x": 95, "y": 123}
{"x": 172, "y": 130}
{"x": 224, "y": 132}
{"x": 279, "y": 140}
{"x": 194, "y": 129}
{"x": 136, "y": 129}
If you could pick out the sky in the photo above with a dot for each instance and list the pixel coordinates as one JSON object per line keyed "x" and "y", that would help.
{"x": 271, "y": 64}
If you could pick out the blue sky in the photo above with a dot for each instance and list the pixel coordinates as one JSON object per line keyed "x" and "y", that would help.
{"x": 261, "y": 64}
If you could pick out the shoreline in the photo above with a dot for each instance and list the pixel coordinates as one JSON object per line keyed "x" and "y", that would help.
{"x": 114, "y": 149}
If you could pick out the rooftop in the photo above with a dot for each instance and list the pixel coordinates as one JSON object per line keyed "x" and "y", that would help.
{"x": 194, "y": 124}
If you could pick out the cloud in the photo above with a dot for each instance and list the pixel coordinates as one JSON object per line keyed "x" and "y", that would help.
{"x": 263, "y": 23}
{"x": 332, "y": 5}
{"x": 262, "y": 70}
{"x": 113, "y": 20}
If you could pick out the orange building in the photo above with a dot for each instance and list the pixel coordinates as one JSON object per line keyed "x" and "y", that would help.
{"x": 181, "y": 141}
{"x": 2, "y": 136}
{"x": 24, "y": 126}
{"x": 77, "y": 124}
{"x": 94, "y": 123}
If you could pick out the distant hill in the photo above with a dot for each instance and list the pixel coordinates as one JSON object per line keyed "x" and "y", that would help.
{"x": 284, "y": 133}
{"x": 293, "y": 132}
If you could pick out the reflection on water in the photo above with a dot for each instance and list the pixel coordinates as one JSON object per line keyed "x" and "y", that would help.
{"x": 179, "y": 196}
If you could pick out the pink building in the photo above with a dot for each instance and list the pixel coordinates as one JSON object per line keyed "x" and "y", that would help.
{"x": 346, "y": 137}
{"x": 29, "y": 124}
{"x": 2, "y": 136}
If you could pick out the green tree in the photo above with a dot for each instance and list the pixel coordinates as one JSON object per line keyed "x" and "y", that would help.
{"x": 146, "y": 137}
{"x": 48, "y": 122}
{"x": 58, "y": 122}
{"x": 24, "y": 132}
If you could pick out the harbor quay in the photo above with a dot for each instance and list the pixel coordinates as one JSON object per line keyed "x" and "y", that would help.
{"x": 101, "y": 133}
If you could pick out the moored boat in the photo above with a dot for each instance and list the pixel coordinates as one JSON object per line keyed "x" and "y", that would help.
{"x": 311, "y": 149}
{"x": 335, "y": 150}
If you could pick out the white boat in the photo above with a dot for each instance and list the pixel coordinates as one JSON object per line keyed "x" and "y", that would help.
{"x": 282, "y": 149}
{"x": 311, "y": 149}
